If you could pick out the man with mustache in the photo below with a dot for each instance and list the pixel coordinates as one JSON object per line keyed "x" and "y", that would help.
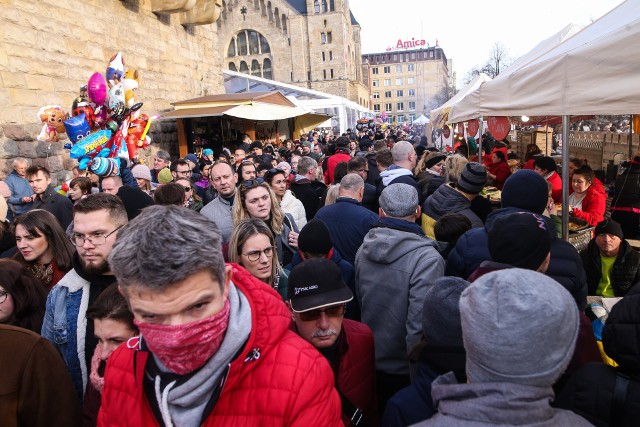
{"x": 318, "y": 300}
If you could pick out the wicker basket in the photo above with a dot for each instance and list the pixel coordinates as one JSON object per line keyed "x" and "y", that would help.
{"x": 581, "y": 239}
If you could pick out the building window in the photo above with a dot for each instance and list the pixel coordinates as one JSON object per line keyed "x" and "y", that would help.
{"x": 388, "y": 108}
{"x": 324, "y": 6}
{"x": 231, "y": 52}
{"x": 398, "y": 68}
{"x": 255, "y": 68}
{"x": 411, "y": 67}
{"x": 331, "y": 72}
{"x": 399, "y": 93}
{"x": 387, "y": 70}
{"x": 412, "y": 105}
{"x": 399, "y": 82}
{"x": 330, "y": 56}
{"x": 242, "y": 43}
{"x": 374, "y": 70}
{"x": 412, "y": 92}
{"x": 386, "y": 82}
{"x": 332, "y": 5}
{"x": 412, "y": 117}
{"x": 254, "y": 47}
{"x": 309, "y": 75}
{"x": 387, "y": 94}
{"x": 376, "y": 108}
{"x": 411, "y": 80}
{"x": 400, "y": 119}
{"x": 284, "y": 23}
{"x": 264, "y": 45}
{"x": 316, "y": 6}
{"x": 329, "y": 37}
{"x": 232, "y": 66}
{"x": 395, "y": 56}
{"x": 431, "y": 54}
{"x": 413, "y": 56}
{"x": 376, "y": 95}
{"x": 400, "y": 106}
{"x": 323, "y": 38}
{"x": 266, "y": 69}
{"x": 375, "y": 83}
{"x": 244, "y": 68}
{"x": 323, "y": 56}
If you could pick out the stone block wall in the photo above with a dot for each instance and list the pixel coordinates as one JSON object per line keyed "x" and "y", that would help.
{"x": 48, "y": 49}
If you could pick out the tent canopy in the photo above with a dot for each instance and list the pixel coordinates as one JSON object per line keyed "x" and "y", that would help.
{"x": 421, "y": 120}
{"x": 440, "y": 115}
{"x": 469, "y": 107}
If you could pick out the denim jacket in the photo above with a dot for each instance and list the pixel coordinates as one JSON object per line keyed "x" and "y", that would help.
{"x": 65, "y": 325}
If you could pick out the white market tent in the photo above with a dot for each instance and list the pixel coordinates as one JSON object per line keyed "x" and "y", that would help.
{"x": 469, "y": 107}
{"x": 596, "y": 71}
{"x": 421, "y": 120}
{"x": 440, "y": 116}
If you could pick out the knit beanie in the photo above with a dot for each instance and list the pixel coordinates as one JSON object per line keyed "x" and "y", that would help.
{"x": 141, "y": 172}
{"x": 526, "y": 190}
{"x": 609, "y": 226}
{"x": 103, "y": 166}
{"x": 473, "y": 178}
{"x": 399, "y": 200}
{"x": 314, "y": 238}
{"x": 207, "y": 152}
{"x": 192, "y": 158}
{"x": 164, "y": 176}
{"x": 520, "y": 239}
{"x": 256, "y": 144}
{"x": 441, "y": 312}
{"x": 518, "y": 326}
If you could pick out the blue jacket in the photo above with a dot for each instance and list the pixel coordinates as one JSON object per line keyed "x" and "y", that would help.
{"x": 65, "y": 324}
{"x": 565, "y": 266}
{"x": 348, "y": 222}
{"x": 412, "y": 404}
{"x": 20, "y": 188}
{"x": 348, "y": 275}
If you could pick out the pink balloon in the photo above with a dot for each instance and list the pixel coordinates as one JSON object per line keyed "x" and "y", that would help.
{"x": 97, "y": 88}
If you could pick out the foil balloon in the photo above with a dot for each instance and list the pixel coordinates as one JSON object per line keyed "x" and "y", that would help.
{"x": 53, "y": 117}
{"x": 115, "y": 70}
{"x": 77, "y": 128}
{"x": 94, "y": 145}
{"x": 100, "y": 117}
{"x": 82, "y": 105}
{"x": 97, "y": 89}
{"x": 135, "y": 138}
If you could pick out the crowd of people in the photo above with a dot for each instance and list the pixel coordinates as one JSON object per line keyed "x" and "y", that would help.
{"x": 363, "y": 280}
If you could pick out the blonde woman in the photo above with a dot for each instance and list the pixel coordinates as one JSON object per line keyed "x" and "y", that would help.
{"x": 252, "y": 246}
{"x": 255, "y": 200}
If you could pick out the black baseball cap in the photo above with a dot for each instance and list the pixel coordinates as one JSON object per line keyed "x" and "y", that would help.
{"x": 317, "y": 283}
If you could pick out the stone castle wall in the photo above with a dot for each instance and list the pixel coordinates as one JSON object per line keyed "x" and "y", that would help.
{"x": 48, "y": 49}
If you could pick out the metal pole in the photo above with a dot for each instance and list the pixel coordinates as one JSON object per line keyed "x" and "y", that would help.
{"x": 631, "y": 130}
{"x": 481, "y": 130}
{"x": 565, "y": 177}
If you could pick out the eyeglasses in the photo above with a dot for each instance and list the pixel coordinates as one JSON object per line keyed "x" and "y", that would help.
{"x": 252, "y": 182}
{"x": 187, "y": 172}
{"x": 3, "y": 296}
{"x": 187, "y": 189}
{"x": 255, "y": 255}
{"x": 95, "y": 240}
{"x": 335, "y": 311}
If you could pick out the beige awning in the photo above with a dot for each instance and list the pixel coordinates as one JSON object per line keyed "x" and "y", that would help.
{"x": 185, "y": 113}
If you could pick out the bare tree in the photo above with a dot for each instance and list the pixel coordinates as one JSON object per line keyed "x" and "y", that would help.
{"x": 498, "y": 60}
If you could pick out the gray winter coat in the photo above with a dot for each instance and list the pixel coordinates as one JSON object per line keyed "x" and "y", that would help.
{"x": 447, "y": 200}
{"x": 490, "y": 404}
{"x": 394, "y": 268}
{"x": 219, "y": 211}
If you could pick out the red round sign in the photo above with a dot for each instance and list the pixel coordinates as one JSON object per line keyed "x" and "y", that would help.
{"x": 472, "y": 127}
{"x": 499, "y": 126}
{"x": 446, "y": 131}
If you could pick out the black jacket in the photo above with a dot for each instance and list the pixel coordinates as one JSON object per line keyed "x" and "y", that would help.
{"x": 625, "y": 271}
{"x": 56, "y": 204}
{"x": 429, "y": 183}
{"x": 311, "y": 194}
{"x": 628, "y": 187}
{"x": 589, "y": 392}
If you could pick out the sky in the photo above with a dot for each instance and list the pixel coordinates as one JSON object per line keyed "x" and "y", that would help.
{"x": 466, "y": 30}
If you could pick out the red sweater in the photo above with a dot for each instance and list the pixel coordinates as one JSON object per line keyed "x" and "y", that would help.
{"x": 332, "y": 162}
{"x": 290, "y": 384}
{"x": 502, "y": 171}
{"x": 556, "y": 187}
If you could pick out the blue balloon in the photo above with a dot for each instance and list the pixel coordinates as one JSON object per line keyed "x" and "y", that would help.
{"x": 77, "y": 128}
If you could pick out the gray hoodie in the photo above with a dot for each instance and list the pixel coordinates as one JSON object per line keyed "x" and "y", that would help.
{"x": 490, "y": 404}
{"x": 447, "y": 199}
{"x": 394, "y": 268}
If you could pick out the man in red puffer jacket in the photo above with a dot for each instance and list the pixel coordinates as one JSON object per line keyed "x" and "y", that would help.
{"x": 215, "y": 345}
{"x": 341, "y": 155}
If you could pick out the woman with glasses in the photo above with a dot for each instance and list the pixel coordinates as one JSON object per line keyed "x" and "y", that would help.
{"x": 42, "y": 246}
{"x": 252, "y": 246}
{"x": 22, "y": 297}
{"x": 255, "y": 200}
{"x": 191, "y": 199}
{"x": 277, "y": 178}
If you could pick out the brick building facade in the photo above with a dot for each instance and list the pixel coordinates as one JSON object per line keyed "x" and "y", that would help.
{"x": 310, "y": 43}
{"x": 405, "y": 83}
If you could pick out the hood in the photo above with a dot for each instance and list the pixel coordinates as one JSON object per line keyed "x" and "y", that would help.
{"x": 386, "y": 245}
{"x": 445, "y": 200}
{"x": 507, "y": 211}
{"x": 392, "y": 173}
{"x": 622, "y": 324}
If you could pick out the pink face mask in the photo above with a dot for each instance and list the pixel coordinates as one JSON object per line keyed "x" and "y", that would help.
{"x": 185, "y": 348}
